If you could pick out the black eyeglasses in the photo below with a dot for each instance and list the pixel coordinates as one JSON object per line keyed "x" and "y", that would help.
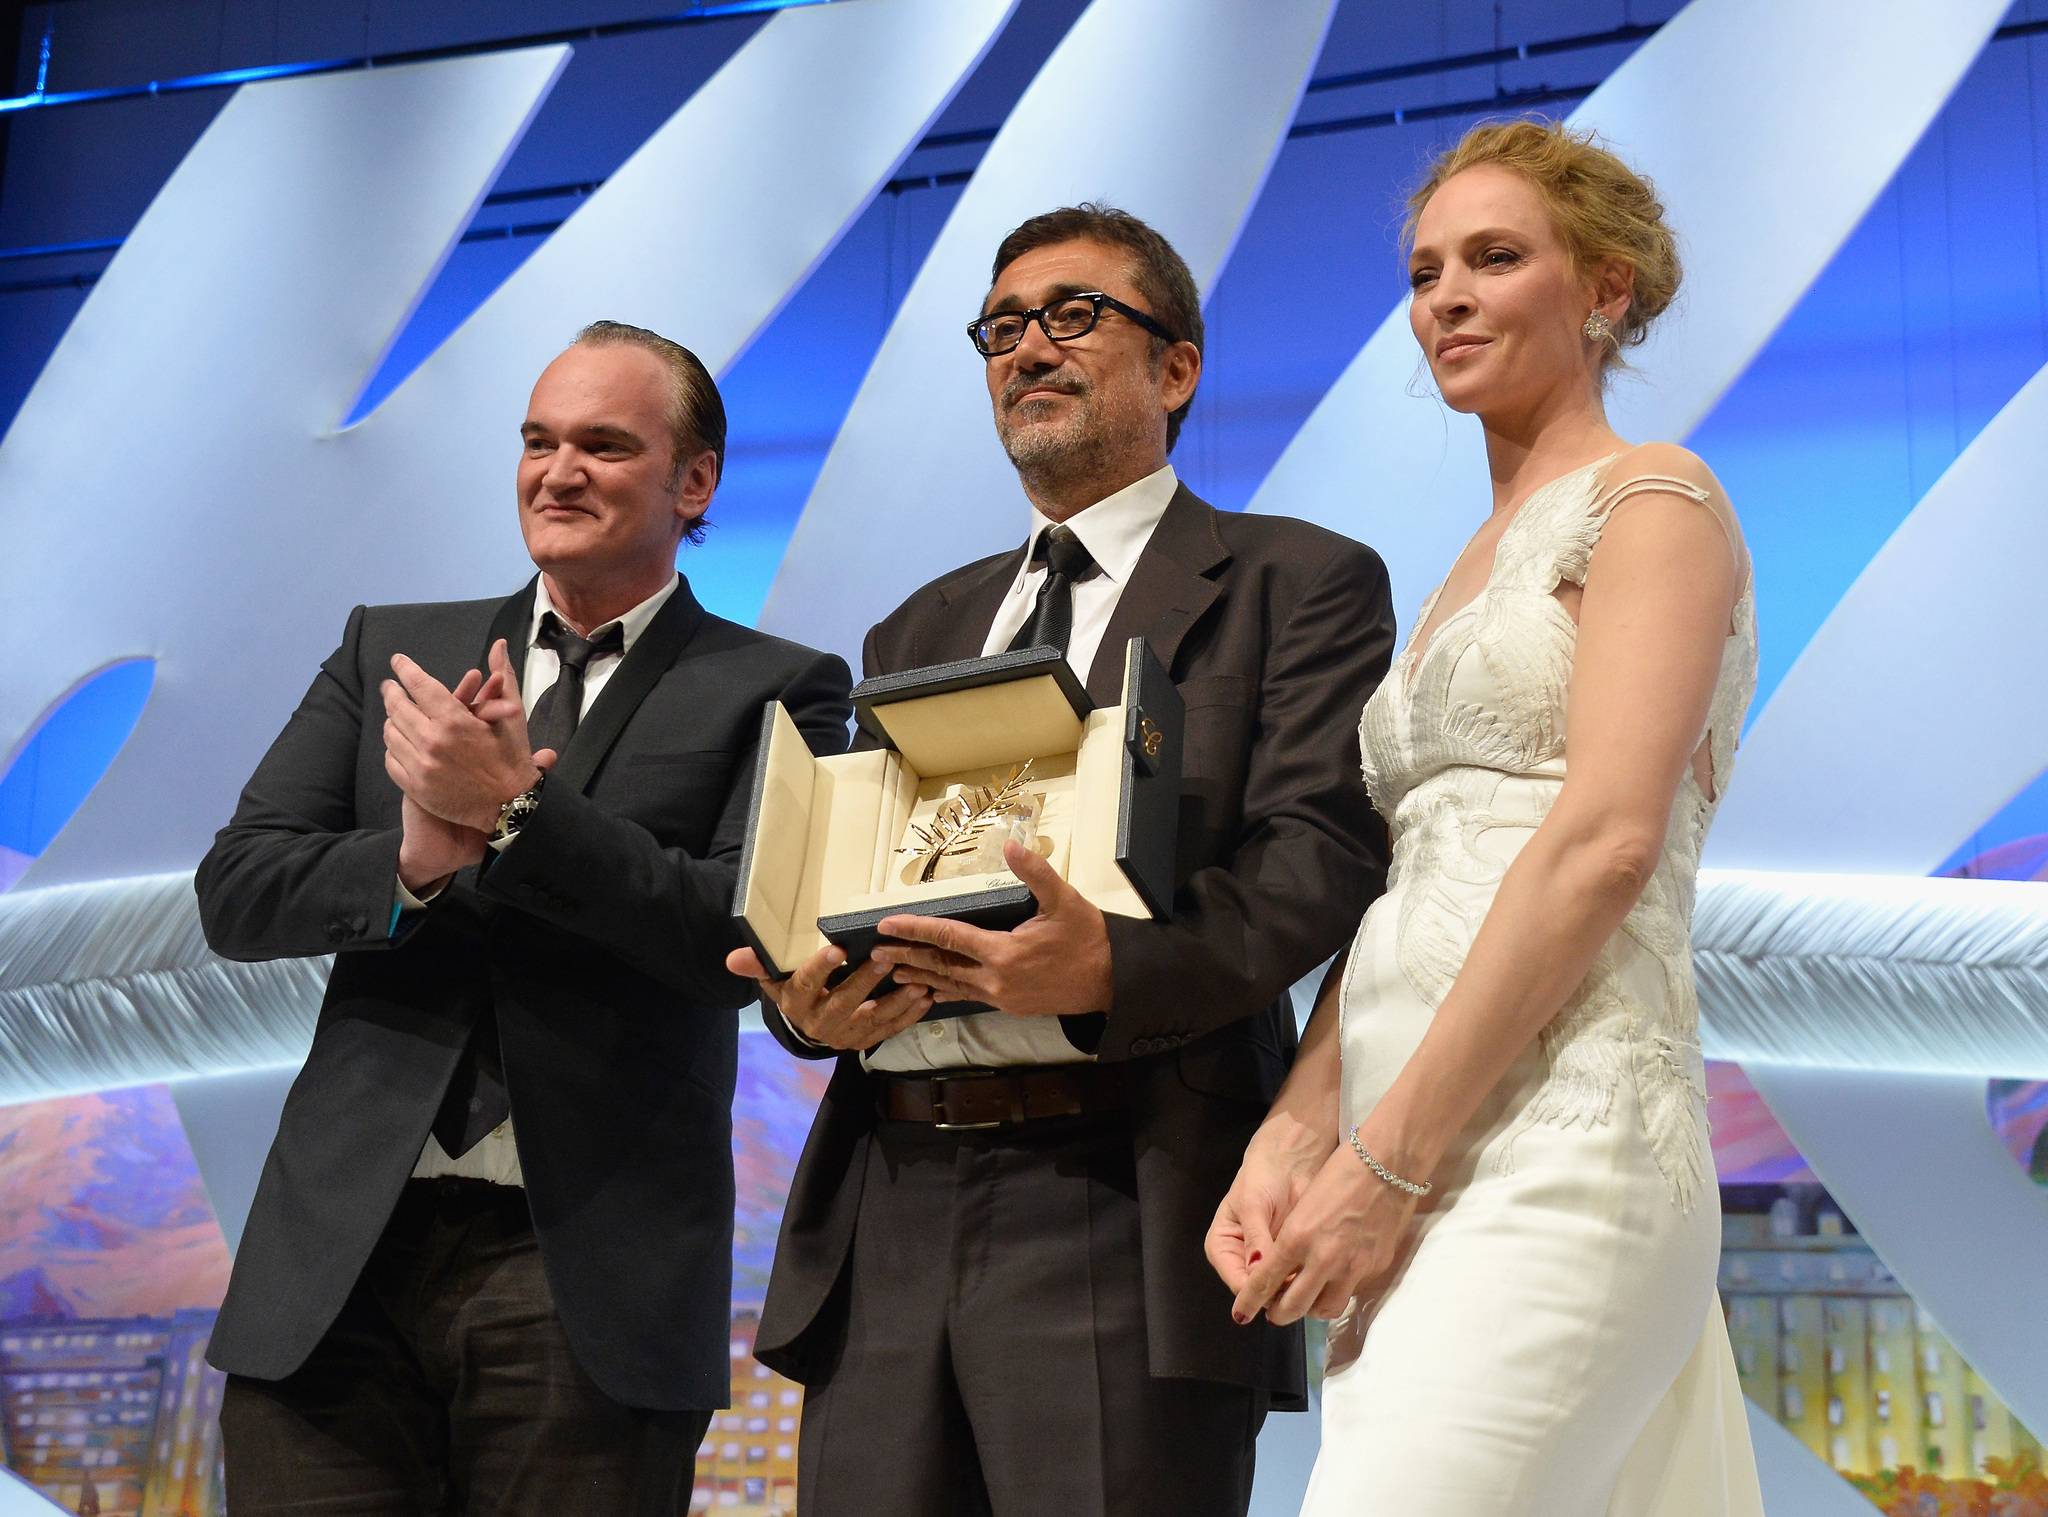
{"x": 1061, "y": 320}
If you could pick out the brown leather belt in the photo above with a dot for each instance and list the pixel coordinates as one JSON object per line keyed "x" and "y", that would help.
{"x": 996, "y": 1098}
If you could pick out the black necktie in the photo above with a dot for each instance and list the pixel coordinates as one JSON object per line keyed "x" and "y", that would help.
{"x": 475, "y": 1101}
{"x": 560, "y": 706}
{"x": 1051, "y": 624}
{"x": 1066, "y": 560}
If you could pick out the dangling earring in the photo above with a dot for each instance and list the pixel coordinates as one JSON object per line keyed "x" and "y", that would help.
{"x": 1598, "y": 328}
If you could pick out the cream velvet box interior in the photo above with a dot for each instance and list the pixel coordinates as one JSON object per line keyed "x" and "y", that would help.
{"x": 836, "y": 844}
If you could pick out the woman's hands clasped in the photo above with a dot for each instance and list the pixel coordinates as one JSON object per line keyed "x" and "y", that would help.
{"x": 1304, "y": 1225}
{"x": 1279, "y": 1166}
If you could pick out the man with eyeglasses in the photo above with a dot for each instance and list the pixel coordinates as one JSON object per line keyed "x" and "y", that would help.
{"x": 1011, "y": 1312}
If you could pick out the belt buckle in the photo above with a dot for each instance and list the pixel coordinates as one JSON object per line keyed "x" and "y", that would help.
{"x": 941, "y": 1082}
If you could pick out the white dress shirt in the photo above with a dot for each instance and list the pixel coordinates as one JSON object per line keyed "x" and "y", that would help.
{"x": 1115, "y": 532}
{"x": 496, "y": 1157}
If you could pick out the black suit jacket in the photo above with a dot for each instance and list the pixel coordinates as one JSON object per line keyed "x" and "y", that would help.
{"x": 1275, "y": 632}
{"x": 598, "y": 940}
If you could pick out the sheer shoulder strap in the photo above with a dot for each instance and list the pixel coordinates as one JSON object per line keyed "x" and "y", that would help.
{"x": 1618, "y": 491}
{"x": 1667, "y": 469}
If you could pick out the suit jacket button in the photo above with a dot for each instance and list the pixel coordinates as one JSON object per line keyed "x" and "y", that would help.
{"x": 336, "y": 932}
{"x": 359, "y": 924}
{"x": 526, "y": 891}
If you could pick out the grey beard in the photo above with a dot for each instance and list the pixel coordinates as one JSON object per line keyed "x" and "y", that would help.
{"x": 1048, "y": 452}
{"x": 1087, "y": 443}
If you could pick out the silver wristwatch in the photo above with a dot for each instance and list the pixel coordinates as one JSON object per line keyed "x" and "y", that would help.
{"x": 513, "y": 814}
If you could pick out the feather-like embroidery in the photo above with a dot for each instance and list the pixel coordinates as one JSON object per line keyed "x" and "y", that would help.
{"x": 1486, "y": 697}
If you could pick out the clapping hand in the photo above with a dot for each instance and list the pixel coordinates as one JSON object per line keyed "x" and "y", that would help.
{"x": 430, "y": 733}
{"x": 430, "y": 849}
{"x": 459, "y": 754}
{"x": 499, "y": 706}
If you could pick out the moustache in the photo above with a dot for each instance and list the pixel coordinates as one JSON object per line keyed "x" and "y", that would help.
{"x": 1059, "y": 384}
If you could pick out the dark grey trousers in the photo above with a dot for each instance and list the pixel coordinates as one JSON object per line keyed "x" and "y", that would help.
{"x": 447, "y": 1388}
{"x": 990, "y": 1356}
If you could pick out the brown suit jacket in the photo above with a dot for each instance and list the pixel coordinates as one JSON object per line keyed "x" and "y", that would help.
{"x": 1276, "y": 632}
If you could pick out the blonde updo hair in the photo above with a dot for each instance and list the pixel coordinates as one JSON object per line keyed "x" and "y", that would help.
{"x": 1601, "y": 208}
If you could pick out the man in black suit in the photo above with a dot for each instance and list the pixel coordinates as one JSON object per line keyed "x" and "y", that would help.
{"x": 489, "y": 1265}
{"x": 991, "y": 1274}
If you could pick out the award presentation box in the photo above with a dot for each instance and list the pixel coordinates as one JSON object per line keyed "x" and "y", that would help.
{"x": 836, "y": 844}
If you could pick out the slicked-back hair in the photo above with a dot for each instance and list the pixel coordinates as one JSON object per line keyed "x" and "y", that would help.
{"x": 696, "y": 411}
{"x": 1165, "y": 285}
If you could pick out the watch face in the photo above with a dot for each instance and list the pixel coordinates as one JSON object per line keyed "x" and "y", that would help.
{"x": 516, "y": 811}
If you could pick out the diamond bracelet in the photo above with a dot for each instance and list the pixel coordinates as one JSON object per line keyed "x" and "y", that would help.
{"x": 1410, "y": 1186}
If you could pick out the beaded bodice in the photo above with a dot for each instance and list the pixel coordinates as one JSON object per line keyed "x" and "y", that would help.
{"x": 1467, "y": 735}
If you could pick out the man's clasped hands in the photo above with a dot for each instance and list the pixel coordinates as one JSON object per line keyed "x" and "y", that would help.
{"x": 458, "y": 755}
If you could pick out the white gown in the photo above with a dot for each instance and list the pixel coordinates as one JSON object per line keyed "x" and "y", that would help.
{"x": 1552, "y": 1344}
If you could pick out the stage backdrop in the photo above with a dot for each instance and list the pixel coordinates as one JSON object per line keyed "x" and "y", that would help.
{"x": 1877, "y": 431}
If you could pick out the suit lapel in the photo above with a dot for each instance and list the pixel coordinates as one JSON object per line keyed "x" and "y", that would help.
{"x": 971, "y": 603}
{"x": 653, "y": 652}
{"x": 513, "y": 621}
{"x": 1168, "y": 593}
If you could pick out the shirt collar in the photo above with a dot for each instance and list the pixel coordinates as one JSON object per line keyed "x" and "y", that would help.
{"x": 632, "y": 624}
{"x": 1115, "y": 529}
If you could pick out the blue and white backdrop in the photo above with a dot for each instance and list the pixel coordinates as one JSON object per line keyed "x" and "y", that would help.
{"x": 266, "y": 345}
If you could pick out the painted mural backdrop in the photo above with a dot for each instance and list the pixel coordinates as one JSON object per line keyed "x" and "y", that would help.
{"x": 112, "y": 1268}
{"x": 747, "y": 1464}
{"x": 1831, "y": 1345}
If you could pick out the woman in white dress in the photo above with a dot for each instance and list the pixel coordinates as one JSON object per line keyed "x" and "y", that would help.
{"x": 1490, "y": 1164}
